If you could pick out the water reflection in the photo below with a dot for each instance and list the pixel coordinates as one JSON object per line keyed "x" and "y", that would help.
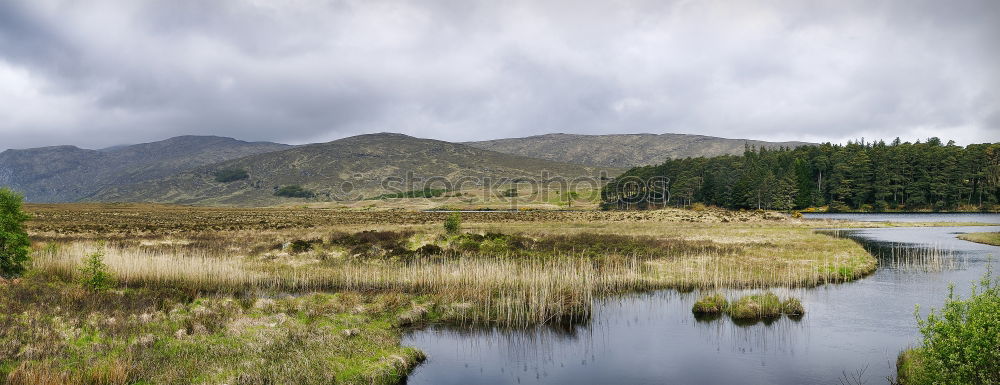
{"x": 652, "y": 338}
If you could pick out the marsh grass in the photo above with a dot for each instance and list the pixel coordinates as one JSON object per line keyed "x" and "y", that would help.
{"x": 291, "y": 295}
{"x": 507, "y": 279}
{"x": 53, "y": 331}
{"x": 988, "y": 238}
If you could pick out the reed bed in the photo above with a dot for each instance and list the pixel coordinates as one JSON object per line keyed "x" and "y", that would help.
{"x": 469, "y": 288}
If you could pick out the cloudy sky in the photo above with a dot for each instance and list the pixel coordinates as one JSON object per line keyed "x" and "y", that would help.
{"x": 99, "y": 73}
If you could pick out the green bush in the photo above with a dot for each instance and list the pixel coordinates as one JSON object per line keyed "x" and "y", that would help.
{"x": 453, "y": 224}
{"x": 837, "y": 207}
{"x": 961, "y": 342}
{"x": 430, "y": 249}
{"x": 231, "y": 175}
{"x": 14, "y": 242}
{"x": 94, "y": 274}
{"x": 294, "y": 191}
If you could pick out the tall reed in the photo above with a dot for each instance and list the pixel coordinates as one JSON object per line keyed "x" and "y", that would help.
{"x": 468, "y": 288}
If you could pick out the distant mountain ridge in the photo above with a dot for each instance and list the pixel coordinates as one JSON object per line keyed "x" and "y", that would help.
{"x": 362, "y": 162}
{"x": 622, "y": 150}
{"x": 183, "y": 169}
{"x": 69, "y": 173}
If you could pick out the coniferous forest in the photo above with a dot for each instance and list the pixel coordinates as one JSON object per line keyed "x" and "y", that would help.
{"x": 858, "y": 176}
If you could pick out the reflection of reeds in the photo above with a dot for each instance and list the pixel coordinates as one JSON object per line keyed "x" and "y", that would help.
{"x": 906, "y": 257}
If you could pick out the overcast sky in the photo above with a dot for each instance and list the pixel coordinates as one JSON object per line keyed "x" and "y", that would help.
{"x": 99, "y": 73}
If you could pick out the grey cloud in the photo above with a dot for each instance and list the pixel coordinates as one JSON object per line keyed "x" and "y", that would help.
{"x": 109, "y": 72}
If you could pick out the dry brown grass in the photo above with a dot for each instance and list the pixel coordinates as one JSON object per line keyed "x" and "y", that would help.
{"x": 514, "y": 287}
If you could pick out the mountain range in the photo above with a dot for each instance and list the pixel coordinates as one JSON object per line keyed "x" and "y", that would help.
{"x": 187, "y": 169}
{"x": 623, "y": 150}
{"x": 69, "y": 173}
{"x": 348, "y": 169}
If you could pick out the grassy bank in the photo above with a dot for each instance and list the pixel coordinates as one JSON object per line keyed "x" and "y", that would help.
{"x": 325, "y": 294}
{"x": 54, "y": 332}
{"x": 985, "y": 238}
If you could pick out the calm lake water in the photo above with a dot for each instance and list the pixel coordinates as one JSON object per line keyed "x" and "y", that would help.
{"x": 654, "y": 339}
{"x": 910, "y": 217}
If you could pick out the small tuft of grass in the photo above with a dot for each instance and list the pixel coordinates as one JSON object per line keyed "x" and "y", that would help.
{"x": 756, "y": 306}
{"x": 792, "y": 307}
{"x": 710, "y": 304}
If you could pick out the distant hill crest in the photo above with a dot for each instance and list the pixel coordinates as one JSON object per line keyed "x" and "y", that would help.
{"x": 622, "y": 150}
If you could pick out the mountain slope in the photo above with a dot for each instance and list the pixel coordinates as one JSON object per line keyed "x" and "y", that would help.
{"x": 68, "y": 173}
{"x": 623, "y": 150}
{"x": 349, "y": 168}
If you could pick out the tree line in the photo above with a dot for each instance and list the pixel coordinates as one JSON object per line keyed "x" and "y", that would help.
{"x": 865, "y": 176}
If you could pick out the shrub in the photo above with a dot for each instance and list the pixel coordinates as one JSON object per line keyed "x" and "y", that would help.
{"x": 797, "y": 214}
{"x": 94, "y": 273}
{"x": 509, "y": 193}
{"x": 469, "y": 242}
{"x": 960, "y": 341}
{"x": 710, "y": 304}
{"x": 14, "y": 241}
{"x": 453, "y": 224}
{"x": 299, "y": 246}
{"x": 429, "y": 249}
{"x": 374, "y": 244}
{"x": 698, "y": 206}
{"x": 837, "y": 207}
{"x": 294, "y": 191}
{"x": 231, "y": 175}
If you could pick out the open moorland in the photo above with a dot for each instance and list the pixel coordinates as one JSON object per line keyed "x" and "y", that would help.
{"x": 298, "y": 295}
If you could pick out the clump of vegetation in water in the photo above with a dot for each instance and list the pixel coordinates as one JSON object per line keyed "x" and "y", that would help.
{"x": 749, "y": 308}
{"x": 756, "y": 306}
{"x": 710, "y": 304}
{"x": 960, "y": 341}
{"x": 13, "y": 238}
{"x": 792, "y": 307}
